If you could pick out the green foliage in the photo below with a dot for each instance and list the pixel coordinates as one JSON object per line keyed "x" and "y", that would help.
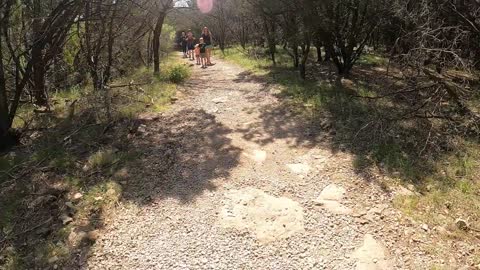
{"x": 72, "y": 46}
{"x": 11, "y": 259}
{"x": 372, "y": 60}
{"x": 102, "y": 195}
{"x": 178, "y": 73}
{"x": 103, "y": 158}
{"x": 256, "y": 59}
{"x": 167, "y": 37}
{"x": 155, "y": 96}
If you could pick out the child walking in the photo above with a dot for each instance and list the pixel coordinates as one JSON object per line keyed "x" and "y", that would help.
{"x": 190, "y": 45}
{"x": 203, "y": 53}
{"x": 197, "y": 54}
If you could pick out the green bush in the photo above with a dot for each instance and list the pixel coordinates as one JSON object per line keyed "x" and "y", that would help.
{"x": 178, "y": 73}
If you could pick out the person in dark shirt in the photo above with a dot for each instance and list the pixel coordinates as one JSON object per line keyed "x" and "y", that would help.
{"x": 190, "y": 45}
{"x": 207, "y": 37}
{"x": 183, "y": 44}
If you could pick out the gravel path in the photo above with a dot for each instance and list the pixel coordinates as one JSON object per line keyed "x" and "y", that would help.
{"x": 231, "y": 178}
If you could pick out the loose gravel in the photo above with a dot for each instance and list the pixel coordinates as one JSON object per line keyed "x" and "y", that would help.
{"x": 228, "y": 133}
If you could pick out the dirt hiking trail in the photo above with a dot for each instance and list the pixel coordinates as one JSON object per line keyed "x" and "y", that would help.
{"x": 232, "y": 178}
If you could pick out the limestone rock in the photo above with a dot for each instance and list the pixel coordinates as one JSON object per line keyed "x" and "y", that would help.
{"x": 299, "y": 168}
{"x": 256, "y": 155}
{"x": 371, "y": 255}
{"x": 219, "y": 100}
{"x": 332, "y": 193}
{"x": 331, "y": 199}
{"x": 77, "y": 196}
{"x": 269, "y": 218}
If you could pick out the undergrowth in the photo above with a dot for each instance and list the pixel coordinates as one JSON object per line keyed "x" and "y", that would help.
{"x": 57, "y": 189}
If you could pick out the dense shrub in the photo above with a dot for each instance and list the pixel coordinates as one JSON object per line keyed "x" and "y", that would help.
{"x": 178, "y": 73}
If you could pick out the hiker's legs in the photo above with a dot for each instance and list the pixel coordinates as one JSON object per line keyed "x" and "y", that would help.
{"x": 209, "y": 51}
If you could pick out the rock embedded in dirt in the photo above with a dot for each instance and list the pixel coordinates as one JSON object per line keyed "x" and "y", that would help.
{"x": 362, "y": 221}
{"x": 299, "y": 168}
{"x": 371, "y": 255}
{"x": 256, "y": 155}
{"x": 77, "y": 196}
{"x": 65, "y": 219}
{"x": 219, "y": 100}
{"x": 52, "y": 259}
{"x": 268, "y": 217}
{"x": 462, "y": 224}
{"x": 332, "y": 192}
{"x": 213, "y": 110}
{"x": 70, "y": 205}
{"x": 93, "y": 235}
{"x": 402, "y": 191}
{"x": 141, "y": 130}
{"x": 359, "y": 213}
{"x": 331, "y": 199}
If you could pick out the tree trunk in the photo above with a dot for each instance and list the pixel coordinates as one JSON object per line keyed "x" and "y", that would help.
{"x": 296, "y": 60}
{"x": 4, "y": 115}
{"x": 157, "y": 32}
{"x": 243, "y": 34}
{"x": 303, "y": 64}
{"x": 303, "y": 71}
{"x": 328, "y": 54}
{"x": 37, "y": 57}
{"x": 318, "y": 46}
{"x": 149, "y": 50}
{"x": 270, "y": 38}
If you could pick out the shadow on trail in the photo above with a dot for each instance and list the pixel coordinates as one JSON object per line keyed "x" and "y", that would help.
{"x": 179, "y": 157}
{"x": 248, "y": 76}
{"x": 132, "y": 160}
{"x": 325, "y": 110}
{"x": 283, "y": 122}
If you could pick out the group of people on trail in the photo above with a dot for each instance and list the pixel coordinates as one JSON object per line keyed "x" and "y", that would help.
{"x": 200, "y": 49}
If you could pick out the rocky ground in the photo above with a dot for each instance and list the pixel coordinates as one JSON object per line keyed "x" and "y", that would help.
{"x": 232, "y": 178}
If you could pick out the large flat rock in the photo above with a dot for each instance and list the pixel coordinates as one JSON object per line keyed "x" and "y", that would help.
{"x": 332, "y": 192}
{"x": 256, "y": 155}
{"x": 299, "y": 168}
{"x": 331, "y": 199}
{"x": 371, "y": 255}
{"x": 269, "y": 218}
